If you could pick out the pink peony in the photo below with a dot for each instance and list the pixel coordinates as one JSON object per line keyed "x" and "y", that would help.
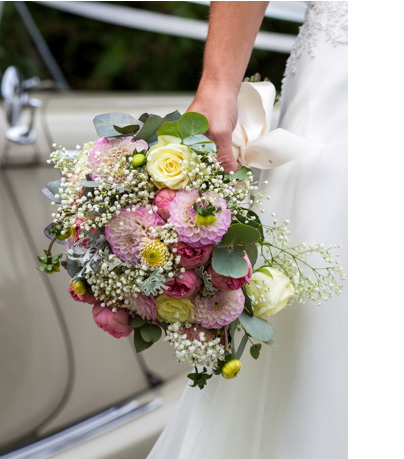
{"x": 144, "y": 305}
{"x": 220, "y": 309}
{"x": 115, "y": 323}
{"x": 182, "y": 216}
{"x": 125, "y": 239}
{"x": 162, "y": 200}
{"x": 193, "y": 257}
{"x": 227, "y": 282}
{"x": 86, "y": 298}
{"x": 187, "y": 284}
{"x": 109, "y": 153}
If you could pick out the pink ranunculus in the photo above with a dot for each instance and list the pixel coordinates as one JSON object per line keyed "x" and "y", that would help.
{"x": 86, "y": 298}
{"x": 193, "y": 257}
{"x": 183, "y": 287}
{"x": 162, "y": 201}
{"x": 115, "y": 323}
{"x": 227, "y": 282}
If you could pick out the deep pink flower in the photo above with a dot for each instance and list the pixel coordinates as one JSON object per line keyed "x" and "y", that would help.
{"x": 78, "y": 233}
{"x": 220, "y": 309}
{"x": 115, "y": 323}
{"x": 86, "y": 298}
{"x": 227, "y": 282}
{"x": 182, "y": 216}
{"x": 187, "y": 284}
{"x": 162, "y": 201}
{"x": 193, "y": 257}
{"x": 144, "y": 305}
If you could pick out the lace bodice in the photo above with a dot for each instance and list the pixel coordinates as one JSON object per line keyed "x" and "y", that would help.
{"x": 328, "y": 18}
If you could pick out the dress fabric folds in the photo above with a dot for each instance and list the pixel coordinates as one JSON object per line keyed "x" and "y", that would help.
{"x": 292, "y": 402}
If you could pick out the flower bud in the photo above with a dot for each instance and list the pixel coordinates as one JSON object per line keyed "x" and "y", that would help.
{"x": 79, "y": 287}
{"x": 231, "y": 369}
{"x": 138, "y": 160}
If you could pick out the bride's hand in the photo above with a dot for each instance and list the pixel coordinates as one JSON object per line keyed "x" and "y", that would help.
{"x": 220, "y": 108}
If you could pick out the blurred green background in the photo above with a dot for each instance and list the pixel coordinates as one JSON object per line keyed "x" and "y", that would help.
{"x": 94, "y": 55}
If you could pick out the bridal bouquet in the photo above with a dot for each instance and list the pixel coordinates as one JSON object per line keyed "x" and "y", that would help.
{"x": 160, "y": 240}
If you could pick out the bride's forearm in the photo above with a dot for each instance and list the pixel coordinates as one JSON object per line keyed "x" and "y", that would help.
{"x": 233, "y": 27}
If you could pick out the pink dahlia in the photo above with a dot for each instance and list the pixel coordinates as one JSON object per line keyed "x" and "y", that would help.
{"x": 109, "y": 153}
{"x": 144, "y": 305}
{"x": 182, "y": 216}
{"x": 220, "y": 309}
{"x": 126, "y": 231}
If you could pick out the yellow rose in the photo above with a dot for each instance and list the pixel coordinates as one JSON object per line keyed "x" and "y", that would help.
{"x": 81, "y": 168}
{"x": 163, "y": 163}
{"x": 271, "y": 290}
{"x": 175, "y": 310}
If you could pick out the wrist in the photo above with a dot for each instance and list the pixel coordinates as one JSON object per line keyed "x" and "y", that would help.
{"x": 219, "y": 83}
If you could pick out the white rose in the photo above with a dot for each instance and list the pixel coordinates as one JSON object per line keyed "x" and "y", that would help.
{"x": 167, "y": 161}
{"x": 271, "y": 290}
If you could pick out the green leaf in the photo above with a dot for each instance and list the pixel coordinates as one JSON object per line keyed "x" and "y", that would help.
{"x": 255, "y": 351}
{"x": 129, "y": 130}
{"x": 241, "y": 347}
{"x": 247, "y": 303}
{"x": 256, "y": 223}
{"x": 252, "y": 253}
{"x": 271, "y": 343}
{"x": 229, "y": 262}
{"x": 233, "y": 327}
{"x": 140, "y": 343}
{"x": 242, "y": 174}
{"x": 192, "y": 123}
{"x": 196, "y": 139}
{"x": 54, "y": 186}
{"x": 106, "y": 123}
{"x": 137, "y": 322}
{"x": 169, "y": 128}
{"x": 173, "y": 116}
{"x": 256, "y": 327}
{"x": 143, "y": 117}
{"x": 90, "y": 184}
{"x": 150, "y": 332}
{"x": 208, "y": 147}
{"x": 240, "y": 234}
{"x": 150, "y": 126}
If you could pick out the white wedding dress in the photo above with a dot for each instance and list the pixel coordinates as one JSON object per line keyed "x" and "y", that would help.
{"x": 292, "y": 402}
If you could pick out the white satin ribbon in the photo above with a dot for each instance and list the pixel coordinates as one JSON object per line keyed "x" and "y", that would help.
{"x": 254, "y": 144}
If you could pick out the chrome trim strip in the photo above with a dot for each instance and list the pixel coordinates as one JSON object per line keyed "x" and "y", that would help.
{"x": 85, "y": 430}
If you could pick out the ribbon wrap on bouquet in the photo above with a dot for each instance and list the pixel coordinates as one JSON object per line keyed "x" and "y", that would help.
{"x": 254, "y": 144}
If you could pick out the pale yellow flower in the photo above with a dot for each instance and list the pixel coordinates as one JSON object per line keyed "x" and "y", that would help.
{"x": 175, "y": 310}
{"x": 168, "y": 163}
{"x": 271, "y": 290}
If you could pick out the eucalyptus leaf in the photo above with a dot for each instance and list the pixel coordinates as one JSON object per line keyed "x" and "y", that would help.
{"x": 137, "y": 322}
{"x": 255, "y": 223}
{"x": 242, "y": 174}
{"x": 48, "y": 193}
{"x": 229, "y": 262}
{"x": 150, "y": 126}
{"x": 240, "y": 234}
{"x": 129, "y": 130}
{"x": 192, "y": 123}
{"x": 196, "y": 139}
{"x": 255, "y": 350}
{"x": 173, "y": 116}
{"x": 104, "y": 124}
{"x": 208, "y": 147}
{"x": 169, "y": 128}
{"x": 241, "y": 347}
{"x": 247, "y": 303}
{"x": 90, "y": 184}
{"x": 140, "y": 343}
{"x": 54, "y": 185}
{"x": 256, "y": 327}
{"x": 150, "y": 332}
{"x": 143, "y": 117}
{"x": 271, "y": 343}
{"x": 252, "y": 253}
